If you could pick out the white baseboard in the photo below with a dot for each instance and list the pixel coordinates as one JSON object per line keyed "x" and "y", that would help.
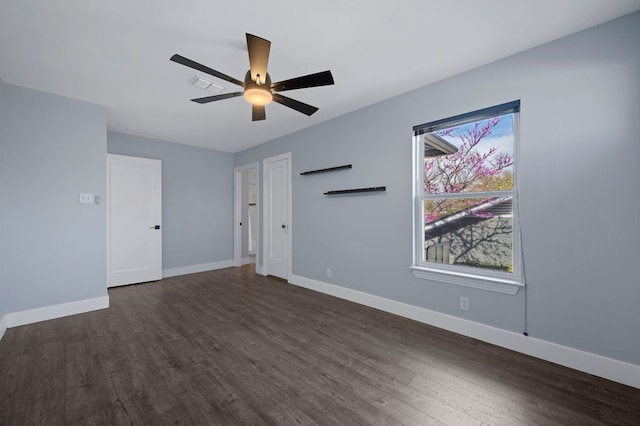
{"x": 259, "y": 270}
{"x": 608, "y": 368}
{"x": 29, "y": 316}
{"x": 3, "y": 326}
{"x": 192, "y": 269}
{"x": 247, "y": 260}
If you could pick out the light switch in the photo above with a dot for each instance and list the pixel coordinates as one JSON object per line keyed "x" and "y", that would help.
{"x": 86, "y": 198}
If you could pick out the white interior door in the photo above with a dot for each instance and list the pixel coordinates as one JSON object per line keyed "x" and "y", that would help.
{"x": 134, "y": 218}
{"x": 277, "y": 180}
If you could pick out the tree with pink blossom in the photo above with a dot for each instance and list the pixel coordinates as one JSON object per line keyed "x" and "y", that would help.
{"x": 468, "y": 169}
{"x": 476, "y": 167}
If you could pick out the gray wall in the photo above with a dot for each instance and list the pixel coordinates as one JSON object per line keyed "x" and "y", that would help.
{"x": 197, "y": 198}
{"x": 579, "y": 198}
{"x": 52, "y": 249}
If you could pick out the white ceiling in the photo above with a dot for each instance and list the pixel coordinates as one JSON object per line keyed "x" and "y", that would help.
{"x": 116, "y": 53}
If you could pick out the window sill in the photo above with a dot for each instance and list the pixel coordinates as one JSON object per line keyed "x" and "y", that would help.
{"x": 498, "y": 285}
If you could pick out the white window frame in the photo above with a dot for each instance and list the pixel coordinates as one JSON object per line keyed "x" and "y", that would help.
{"x": 485, "y": 279}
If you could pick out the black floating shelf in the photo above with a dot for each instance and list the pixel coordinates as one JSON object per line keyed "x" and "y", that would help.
{"x": 357, "y": 190}
{"x": 330, "y": 169}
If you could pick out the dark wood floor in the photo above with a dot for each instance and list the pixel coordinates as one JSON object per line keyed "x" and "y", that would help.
{"x": 229, "y": 347}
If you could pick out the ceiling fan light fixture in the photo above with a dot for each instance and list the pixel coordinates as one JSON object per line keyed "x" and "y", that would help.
{"x": 258, "y": 95}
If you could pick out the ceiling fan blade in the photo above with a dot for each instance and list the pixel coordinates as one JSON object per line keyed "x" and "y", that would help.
{"x": 323, "y": 78}
{"x": 208, "y": 99}
{"x": 292, "y": 103}
{"x": 258, "y": 57}
{"x": 196, "y": 66}
{"x": 258, "y": 113}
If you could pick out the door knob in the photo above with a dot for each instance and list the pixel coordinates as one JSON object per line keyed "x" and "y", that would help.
{"x": 155, "y": 227}
{"x": 283, "y": 226}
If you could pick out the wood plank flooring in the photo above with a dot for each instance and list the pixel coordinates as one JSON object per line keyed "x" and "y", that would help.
{"x": 229, "y": 347}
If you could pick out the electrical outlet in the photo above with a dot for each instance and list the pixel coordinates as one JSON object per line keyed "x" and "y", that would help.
{"x": 328, "y": 272}
{"x": 464, "y": 303}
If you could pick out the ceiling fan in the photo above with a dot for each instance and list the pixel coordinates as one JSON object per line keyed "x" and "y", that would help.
{"x": 258, "y": 88}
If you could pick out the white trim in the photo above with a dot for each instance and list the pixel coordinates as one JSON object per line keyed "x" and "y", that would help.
{"x": 15, "y": 319}
{"x": 468, "y": 280}
{"x": 3, "y": 326}
{"x": 192, "y": 269}
{"x": 259, "y": 270}
{"x": 246, "y": 261}
{"x": 608, "y": 368}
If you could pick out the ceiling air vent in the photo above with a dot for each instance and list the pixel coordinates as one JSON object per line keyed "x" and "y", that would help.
{"x": 203, "y": 83}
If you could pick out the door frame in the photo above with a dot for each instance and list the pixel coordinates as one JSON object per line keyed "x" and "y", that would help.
{"x": 237, "y": 212}
{"x": 265, "y": 209}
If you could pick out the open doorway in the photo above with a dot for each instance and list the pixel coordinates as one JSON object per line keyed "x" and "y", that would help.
{"x": 250, "y": 232}
{"x": 246, "y": 226}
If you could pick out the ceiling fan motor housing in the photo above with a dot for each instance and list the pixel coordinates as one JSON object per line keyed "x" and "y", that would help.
{"x": 256, "y": 93}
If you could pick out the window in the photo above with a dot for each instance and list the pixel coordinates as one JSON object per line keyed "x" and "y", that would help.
{"x": 466, "y": 216}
